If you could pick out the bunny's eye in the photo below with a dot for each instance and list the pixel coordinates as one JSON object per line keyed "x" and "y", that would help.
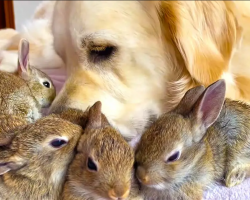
{"x": 58, "y": 143}
{"x": 174, "y": 157}
{"x": 91, "y": 165}
{"x": 46, "y": 84}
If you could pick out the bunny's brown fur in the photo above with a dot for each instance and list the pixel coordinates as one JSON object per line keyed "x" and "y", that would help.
{"x": 113, "y": 158}
{"x": 14, "y": 95}
{"x": 211, "y": 138}
{"x": 75, "y": 116}
{"x": 44, "y": 97}
{"x": 31, "y": 167}
{"x": 9, "y": 123}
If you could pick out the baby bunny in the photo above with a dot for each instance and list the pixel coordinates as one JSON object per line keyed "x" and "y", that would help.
{"x": 35, "y": 159}
{"x": 27, "y": 92}
{"x": 9, "y": 123}
{"x": 204, "y": 139}
{"x": 103, "y": 165}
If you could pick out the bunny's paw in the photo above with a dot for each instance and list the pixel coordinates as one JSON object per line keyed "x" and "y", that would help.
{"x": 235, "y": 177}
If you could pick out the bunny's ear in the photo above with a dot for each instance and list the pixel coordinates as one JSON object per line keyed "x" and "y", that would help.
{"x": 6, "y": 166}
{"x": 189, "y": 99}
{"x": 23, "y": 56}
{"x": 10, "y": 164}
{"x": 5, "y": 141}
{"x": 135, "y": 142}
{"x": 208, "y": 108}
{"x": 75, "y": 116}
{"x": 95, "y": 117}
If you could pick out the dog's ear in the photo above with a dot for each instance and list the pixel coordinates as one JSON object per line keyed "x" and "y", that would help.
{"x": 150, "y": 5}
{"x": 152, "y": 8}
{"x": 234, "y": 8}
{"x": 205, "y": 33}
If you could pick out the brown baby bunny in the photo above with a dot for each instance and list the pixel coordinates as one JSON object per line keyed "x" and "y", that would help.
{"x": 35, "y": 159}
{"x": 74, "y": 115}
{"x": 9, "y": 123}
{"x": 202, "y": 141}
{"x": 103, "y": 165}
{"x": 26, "y": 93}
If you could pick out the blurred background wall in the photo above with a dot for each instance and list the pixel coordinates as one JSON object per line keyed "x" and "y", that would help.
{"x": 23, "y": 11}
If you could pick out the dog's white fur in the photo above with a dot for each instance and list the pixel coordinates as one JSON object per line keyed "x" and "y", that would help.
{"x": 163, "y": 49}
{"x": 129, "y": 94}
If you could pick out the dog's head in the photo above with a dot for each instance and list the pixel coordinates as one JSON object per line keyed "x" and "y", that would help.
{"x": 124, "y": 54}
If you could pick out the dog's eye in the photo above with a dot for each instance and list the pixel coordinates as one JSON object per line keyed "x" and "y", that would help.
{"x": 46, "y": 84}
{"x": 101, "y": 53}
{"x": 175, "y": 156}
{"x": 91, "y": 165}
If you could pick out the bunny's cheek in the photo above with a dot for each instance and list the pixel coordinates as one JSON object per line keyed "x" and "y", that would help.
{"x": 156, "y": 182}
{"x": 153, "y": 181}
{"x": 159, "y": 186}
{"x": 174, "y": 167}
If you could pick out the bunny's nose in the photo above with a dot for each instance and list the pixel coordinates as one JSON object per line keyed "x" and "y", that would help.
{"x": 119, "y": 192}
{"x": 142, "y": 176}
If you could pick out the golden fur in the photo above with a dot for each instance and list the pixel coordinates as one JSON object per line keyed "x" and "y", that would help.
{"x": 162, "y": 49}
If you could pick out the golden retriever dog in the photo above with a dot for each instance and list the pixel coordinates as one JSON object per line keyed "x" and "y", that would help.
{"x": 140, "y": 57}
{"x": 137, "y": 57}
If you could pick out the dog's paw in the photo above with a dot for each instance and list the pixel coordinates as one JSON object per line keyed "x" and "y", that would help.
{"x": 235, "y": 177}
